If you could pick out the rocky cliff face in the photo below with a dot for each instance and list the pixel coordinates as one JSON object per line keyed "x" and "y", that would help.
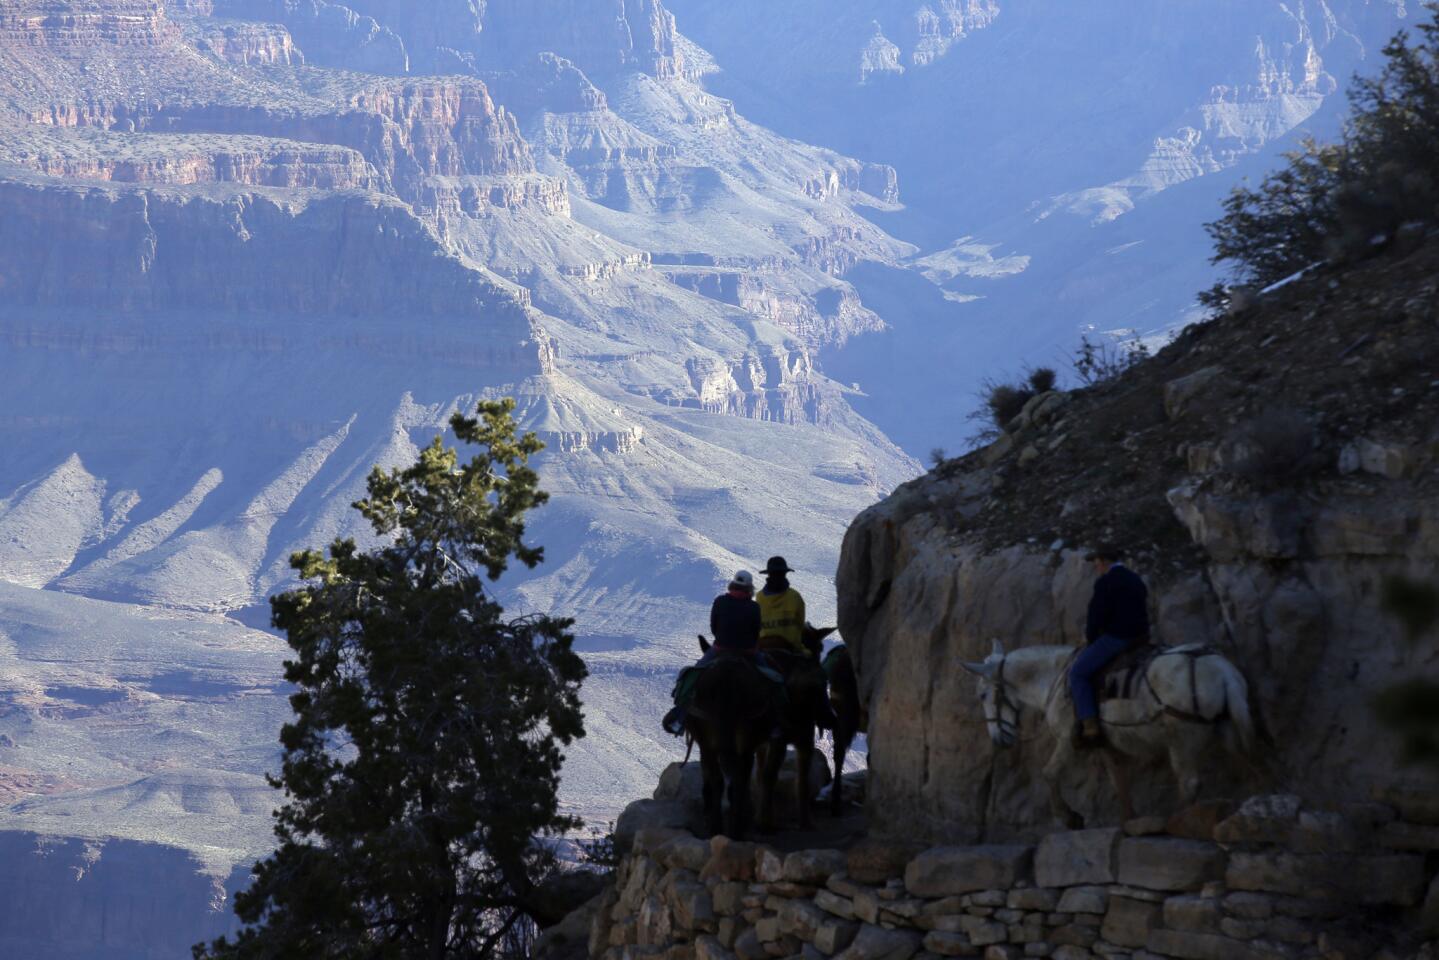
{"x": 1267, "y": 471}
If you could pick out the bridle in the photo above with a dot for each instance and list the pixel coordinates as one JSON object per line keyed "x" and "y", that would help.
{"x": 1008, "y": 729}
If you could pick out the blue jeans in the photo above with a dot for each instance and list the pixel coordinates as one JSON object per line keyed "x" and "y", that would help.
{"x": 1090, "y": 661}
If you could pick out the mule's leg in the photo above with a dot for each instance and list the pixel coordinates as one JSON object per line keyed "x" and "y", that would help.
{"x": 713, "y": 774}
{"x": 1118, "y": 766}
{"x": 804, "y": 759}
{"x": 771, "y": 759}
{"x": 1053, "y": 770}
{"x": 842, "y": 737}
{"x": 1186, "y": 747}
{"x": 738, "y": 775}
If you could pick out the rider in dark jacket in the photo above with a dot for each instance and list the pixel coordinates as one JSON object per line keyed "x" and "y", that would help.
{"x": 735, "y": 623}
{"x": 735, "y": 617}
{"x": 1118, "y": 619}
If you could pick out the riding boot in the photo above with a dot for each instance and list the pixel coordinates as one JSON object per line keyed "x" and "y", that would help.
{"x": 1088, "y": 733}
{"x": 674, "y": 721}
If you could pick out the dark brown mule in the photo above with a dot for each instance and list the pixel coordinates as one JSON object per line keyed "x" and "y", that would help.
{"x": 730, "y": 717}
{"x": 804, "y": 690}
{"x": 851, "y": 717}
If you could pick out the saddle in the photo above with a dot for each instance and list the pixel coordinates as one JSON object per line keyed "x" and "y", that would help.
{"x": 1121, "y": 677}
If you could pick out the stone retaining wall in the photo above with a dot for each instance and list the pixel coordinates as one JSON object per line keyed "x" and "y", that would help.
{"x": 1268, "y": 881}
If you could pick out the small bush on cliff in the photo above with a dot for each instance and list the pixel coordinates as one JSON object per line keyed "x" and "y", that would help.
{"x": 1002, "y": 401}
{"x": 1332, "y": 201}
{"x": 1098, "y": 360}
{"x": 425, "y": 751}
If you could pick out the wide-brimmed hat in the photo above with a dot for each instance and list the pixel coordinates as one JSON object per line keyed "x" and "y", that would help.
{"x": 1105, "y": 551}
{"x": 742, "y": 580}
{"x": 776, "y": 567}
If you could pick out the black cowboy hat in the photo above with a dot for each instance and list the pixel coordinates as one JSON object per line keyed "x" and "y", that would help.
{"x": 776, "y": 567}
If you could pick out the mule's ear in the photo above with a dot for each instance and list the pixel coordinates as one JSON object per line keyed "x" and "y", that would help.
{"x": 704, "y": 644}
{"x": 825, "y": 631}
{"x": 978, "y": 669}
{"x": 998, "y": 649}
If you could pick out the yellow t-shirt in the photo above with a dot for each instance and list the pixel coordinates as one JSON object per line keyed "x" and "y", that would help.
{"x": 782, "y": 615}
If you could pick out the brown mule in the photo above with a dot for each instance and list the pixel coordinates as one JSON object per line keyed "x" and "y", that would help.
{"x": 730, "y": 717}
{"x": 805, "y": 688}
{"x": 851, "y": 718}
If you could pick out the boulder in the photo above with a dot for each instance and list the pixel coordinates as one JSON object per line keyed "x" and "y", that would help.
{"x": 1266, "y": 819}
{"x": 831, "y": 902}
{"x": 1167, "y": 863}
{"x": 1416, "y": 801}
{"x": 729, "y": 860}
{"x": 877, "y": 943}
{"x": 662, "y": 814}
{"x": 1129, "y": 922}
{"x": 1178, "y": 393}
{"x": 875, "y": 861}
{"x": 1084, "y": 900}
{"x": 683, "y": 782}
{"x": 1370, "y": 880}
{"x": 1034, "y": 899}
{"x": 1197, "y": 821}
{"x": 1193, "y": 914}
{"x": 945, "y": 871}
{"x": 1075, "y": 857}
{"x": 801, "y": 918}
{"x": 813, "y": 867}
{"x": 710, "y": 948}
{"x": 685, "y": 852}
{"x": 948, "y": 944}
{"x": 1208, "y": 946}
{"x": 834, "y": 935}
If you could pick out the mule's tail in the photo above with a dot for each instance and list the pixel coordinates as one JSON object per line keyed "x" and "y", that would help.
{"x": 1236, "y": 697}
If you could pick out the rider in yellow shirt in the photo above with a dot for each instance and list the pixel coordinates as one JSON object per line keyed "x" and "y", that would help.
{"x": 781, "y": 623}
{"x": 781, "y": 609}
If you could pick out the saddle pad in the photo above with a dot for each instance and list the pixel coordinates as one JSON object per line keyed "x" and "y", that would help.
{"x": 685, "y": 683}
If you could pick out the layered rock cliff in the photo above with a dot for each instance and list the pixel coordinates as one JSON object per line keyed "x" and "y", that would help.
{"x": 1267, "y": 471}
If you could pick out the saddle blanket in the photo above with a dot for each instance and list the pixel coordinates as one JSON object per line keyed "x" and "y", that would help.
{"x": 685, "y": 683}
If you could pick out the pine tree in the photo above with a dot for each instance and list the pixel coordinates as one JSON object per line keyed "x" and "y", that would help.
{"x": 424, "y": 755}
{"x": 1335, "y": 201}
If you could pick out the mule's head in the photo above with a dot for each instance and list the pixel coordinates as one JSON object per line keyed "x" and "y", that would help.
{"x": 1001, "y": 713}
{"x": 813, "y": 637}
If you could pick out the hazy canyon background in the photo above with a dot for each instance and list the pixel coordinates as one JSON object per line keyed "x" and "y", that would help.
{"x": 744, "y": 263}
